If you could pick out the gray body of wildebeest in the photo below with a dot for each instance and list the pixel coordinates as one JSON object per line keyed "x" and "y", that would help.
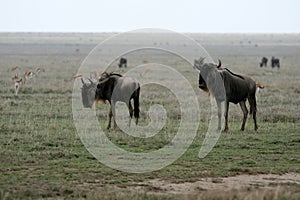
{"x": 227, "y": 86}
{"x": 113, "y": 88}
{"x": 264, "y": 62}
{"x": 275, "y": 62}
{"x": 123, "y": 62}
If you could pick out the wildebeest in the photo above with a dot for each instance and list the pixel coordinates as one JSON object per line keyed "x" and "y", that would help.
{"x": 275, "y": 62}
{"x": 122, "y": 62}
{"x": 227, "y": 86}
{"x": 263, "y": 62}
{"x": 112, "y": 87}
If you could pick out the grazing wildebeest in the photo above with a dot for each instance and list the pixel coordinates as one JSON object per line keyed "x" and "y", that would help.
{"x": 263, "y": 62}
{"x": 113, "y": 88}
{"x": 122, "y": 62}
{"x": 275, "y": 62}
{"x": 237, "y": 89}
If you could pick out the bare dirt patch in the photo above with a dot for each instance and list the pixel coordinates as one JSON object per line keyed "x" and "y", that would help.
{"x": 228, "y": 183}
{"x": 242, "y": 186}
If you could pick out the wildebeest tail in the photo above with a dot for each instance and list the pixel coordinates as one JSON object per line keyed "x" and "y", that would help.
{"x": 136, "y": 103}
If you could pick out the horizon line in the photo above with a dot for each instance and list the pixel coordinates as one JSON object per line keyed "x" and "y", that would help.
{"x": 118, "y": 32}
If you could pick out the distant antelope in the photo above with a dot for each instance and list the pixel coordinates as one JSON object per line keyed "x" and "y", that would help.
{"x": 259, "y": 87}
{"x": 14, "y": 68}
{"x": 39, "y": 70}
{"x": 29, "y": 74}
{"x": 18, "y": 84}
{"x": 15, "y": 77}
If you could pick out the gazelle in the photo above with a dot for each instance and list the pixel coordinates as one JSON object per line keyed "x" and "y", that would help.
{"x": 39, "y": 70}
{"x": 15, "y": 77}
{"x": 18, "y": 84}
{"x": 29, "y": 74}
{"x": 14, "y": 68}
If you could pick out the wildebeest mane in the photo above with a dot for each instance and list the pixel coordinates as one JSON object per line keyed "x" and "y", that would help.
{"x": 115, "y": 74}
{"x": 106, "y": 75}
{"x": 105, "y": 87}
{"x": 234, "y": 74}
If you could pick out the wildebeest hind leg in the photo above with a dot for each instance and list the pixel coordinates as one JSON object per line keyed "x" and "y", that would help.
{"x": 245, "y": 111}
{"x": 226, "y": 116}
{"x": 130, "y": 112}
{"x": 252, "y": 102}
{"x": 109, "y": 118}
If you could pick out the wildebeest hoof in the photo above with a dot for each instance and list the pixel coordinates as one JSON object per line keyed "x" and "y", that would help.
{"x": 225, "y": 130}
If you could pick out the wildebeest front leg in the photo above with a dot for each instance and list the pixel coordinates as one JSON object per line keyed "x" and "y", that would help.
{"x": 226, "y": 116}
{"x": 219, "y": 114}
{"x": 245, "y": 111}
{"x": 109, "y": 118}
{"x": 113, "y": 110}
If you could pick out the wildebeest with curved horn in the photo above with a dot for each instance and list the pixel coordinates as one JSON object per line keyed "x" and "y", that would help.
{"x": 264, "y": 62}
{"x": 227, "y": 86}
{"x": 113, "y": 87}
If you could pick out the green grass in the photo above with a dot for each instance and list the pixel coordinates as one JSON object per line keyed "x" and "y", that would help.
{"x": 42, "y": 155}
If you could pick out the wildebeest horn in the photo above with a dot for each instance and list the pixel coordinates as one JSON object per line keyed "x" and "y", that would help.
{"x": 82, "y": 81}
{"x": 219, "y": 65}
{"x": 103, "y": 81}
{"x": 91, "y": 81}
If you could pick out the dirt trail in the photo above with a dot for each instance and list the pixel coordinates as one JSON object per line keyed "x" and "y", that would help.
{"x": 241, "y": 185}
{"x": 228, "y": 183}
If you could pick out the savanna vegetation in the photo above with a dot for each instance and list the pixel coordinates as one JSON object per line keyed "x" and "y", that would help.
{"x": 42, "y": 155}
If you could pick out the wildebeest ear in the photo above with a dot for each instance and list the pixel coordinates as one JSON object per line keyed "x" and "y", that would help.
{"x": 91, "y": 81}
{"x": 201, "y": 59}
{"x": 197, "y": 65}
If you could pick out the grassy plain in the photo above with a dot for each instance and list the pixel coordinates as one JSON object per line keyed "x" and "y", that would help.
{"x": 42, "y": 155}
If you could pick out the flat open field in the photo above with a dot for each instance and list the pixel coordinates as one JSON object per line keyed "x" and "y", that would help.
{"x": 42, "y": 155}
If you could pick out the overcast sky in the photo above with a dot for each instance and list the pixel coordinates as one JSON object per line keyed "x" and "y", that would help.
{"x": 210, "y": 16}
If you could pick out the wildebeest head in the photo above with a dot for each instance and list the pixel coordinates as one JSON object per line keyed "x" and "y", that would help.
{"x": 88, "y": 92}
{"x": 208, "y": 72}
